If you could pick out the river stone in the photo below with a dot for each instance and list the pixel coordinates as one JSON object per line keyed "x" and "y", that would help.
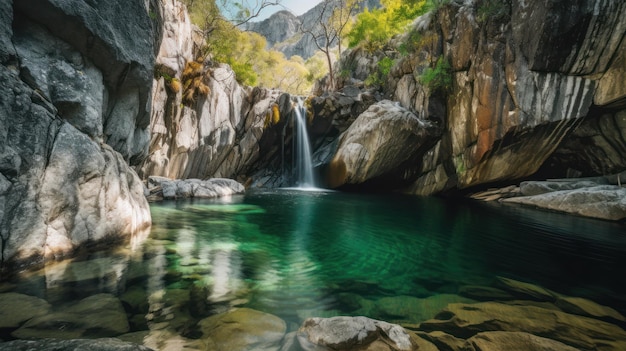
{"x": 442, "y": 341}
{"x": 603, "y": 202}
{"x": 243, "y": 329}
{"x": 526, "y": 290}
{"x": 465, "y": 321}
{"x": 584, "y": 307}
{"x": 100, "y": 315}
{"x": 108, "y": 344}
{"x": 16, "y": 308}
{"x": 348, "y": 333}
{"x": 506, "y": 341}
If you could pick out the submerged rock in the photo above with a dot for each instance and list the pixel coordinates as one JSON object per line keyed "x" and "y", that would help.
{"x": 16, "y": 309}
{"x": 243, "y": 329}
{"x": 505, "y": 341}
{"x": 100, "y": 315}
{"x": 467, "y": 320}
{"x": 109, "y": 344}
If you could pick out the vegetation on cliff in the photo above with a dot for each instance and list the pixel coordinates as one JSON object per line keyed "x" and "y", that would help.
{"x": 247, "y": 53}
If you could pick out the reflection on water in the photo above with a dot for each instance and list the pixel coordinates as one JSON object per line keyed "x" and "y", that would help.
{"x": 297, "y": 255}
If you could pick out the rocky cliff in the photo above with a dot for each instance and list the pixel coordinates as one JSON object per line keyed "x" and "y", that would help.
{"x": 534, "y": 88}
{"x": 282, "y": 29}
{"x": 75, "y": 104}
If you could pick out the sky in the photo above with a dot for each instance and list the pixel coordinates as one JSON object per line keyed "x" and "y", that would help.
{"x": 298, "y": 7}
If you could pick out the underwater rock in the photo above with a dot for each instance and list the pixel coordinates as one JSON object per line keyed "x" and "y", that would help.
{"x": 526, "y": 290}
{"x": 16, "y": 309}
{"x": 100, "y": 315}
{"x": 108, "y": 344}
{"x": 243, "y": 329}
{"x": 348, "y": 333}
{"x": 504, "y": 341}
{"x": 467, "y": 320}
{"x": 585, "y": 307}
{"x": 409, "y": 309}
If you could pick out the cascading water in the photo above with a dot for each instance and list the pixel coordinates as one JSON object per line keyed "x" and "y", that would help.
{"x": 303, "y": 165}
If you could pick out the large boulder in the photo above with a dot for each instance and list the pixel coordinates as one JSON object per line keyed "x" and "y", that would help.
{"x": 100, "y": 315}
{"x": 382, "y": 139}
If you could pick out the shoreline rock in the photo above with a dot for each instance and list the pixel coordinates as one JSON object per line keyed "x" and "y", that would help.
{"x": 161, "y": 188}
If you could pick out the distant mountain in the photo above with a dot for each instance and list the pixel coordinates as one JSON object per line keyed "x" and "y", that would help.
{"x": 281, "y": 30}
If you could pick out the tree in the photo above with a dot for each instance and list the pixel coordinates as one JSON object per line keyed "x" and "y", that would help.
{"x": 373, "y": 29}
{"x": 329, "y": 27}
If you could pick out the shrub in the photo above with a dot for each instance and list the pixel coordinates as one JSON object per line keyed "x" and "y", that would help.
{"x": 492, "y": 9}
{"x": 194, "y": 82}
{"x": 438, "y": 78}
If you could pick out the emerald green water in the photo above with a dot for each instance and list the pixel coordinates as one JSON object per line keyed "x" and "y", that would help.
{"x": 300, "y": 254}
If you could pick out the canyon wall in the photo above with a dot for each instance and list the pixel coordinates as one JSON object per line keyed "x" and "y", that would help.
{"x": 74, "y": 113}
{"x": 534, "y": 88}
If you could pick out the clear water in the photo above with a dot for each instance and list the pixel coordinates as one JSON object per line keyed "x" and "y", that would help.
{"x": 300, "y": 254}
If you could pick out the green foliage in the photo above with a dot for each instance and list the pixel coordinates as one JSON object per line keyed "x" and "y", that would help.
{"x": 380, "y": 76}
{"x": 247, "y": 53}
{"x": 493, "y": 9}
{"x": 438, "y": 78}
{"x": 373, "y": 29}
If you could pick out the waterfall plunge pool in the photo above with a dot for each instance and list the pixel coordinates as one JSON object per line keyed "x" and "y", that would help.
{"x": 299, "y": 254}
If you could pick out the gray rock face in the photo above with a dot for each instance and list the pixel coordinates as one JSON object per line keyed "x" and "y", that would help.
{"x": 118, "y": 38}
{"x": 109, "y": 344}
{"x": 61, "y": 185}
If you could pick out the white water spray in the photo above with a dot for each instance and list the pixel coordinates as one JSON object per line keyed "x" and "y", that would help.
{"x": 303, "y": 165}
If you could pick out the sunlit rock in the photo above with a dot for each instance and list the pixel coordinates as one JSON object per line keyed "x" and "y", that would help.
{"x": 243, "y": 329}
{"x": 526, "y": 290}
{"x": 16, "y": 309}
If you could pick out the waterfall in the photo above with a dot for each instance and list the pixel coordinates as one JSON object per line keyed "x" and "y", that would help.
{"x": 303, "y": 166}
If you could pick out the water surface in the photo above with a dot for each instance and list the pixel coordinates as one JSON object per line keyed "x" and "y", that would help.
{"x": 300, "y": 254}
